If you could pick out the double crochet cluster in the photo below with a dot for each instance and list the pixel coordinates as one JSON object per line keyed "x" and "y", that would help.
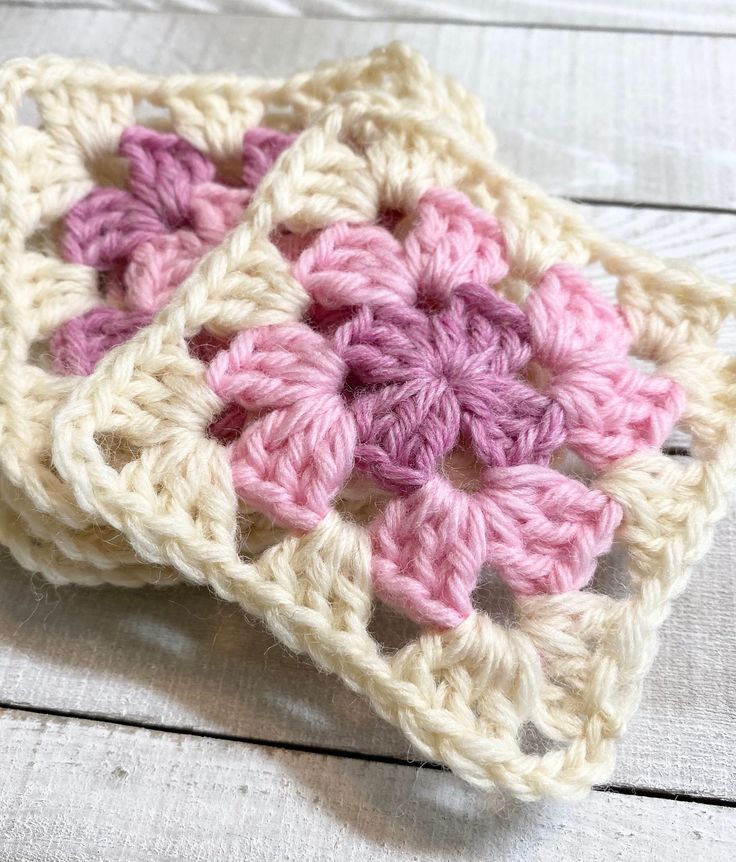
{"x": 408, "y": 362}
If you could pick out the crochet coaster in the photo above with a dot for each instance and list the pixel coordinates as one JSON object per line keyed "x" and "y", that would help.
{"x": 307, "y": 343}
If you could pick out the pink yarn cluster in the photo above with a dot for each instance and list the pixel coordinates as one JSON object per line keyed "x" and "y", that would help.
{"x": 407, "y": 356}
{"x": 147, "y": 239}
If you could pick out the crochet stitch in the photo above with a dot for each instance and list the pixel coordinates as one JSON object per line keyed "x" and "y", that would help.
{"x": 428, "y": 363}
{"x": 148, "y": 239}
{"x": 306, "y": 342}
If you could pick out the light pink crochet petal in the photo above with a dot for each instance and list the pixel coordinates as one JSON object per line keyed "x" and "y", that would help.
{"x": 544, "y": 530}
{"x": 158, "y": 267}
{"x": 453, "y": 242}
{"x": 215, "y": 210}
{"x": 351, "y": 265}
{"x": 79, "y": 344}
{"x": 275, "y": 366}
{"x": 568, "y": 317}
{"x": 106, "y": 226}
{"x": 428, "y": 549}
{"x": 290, "y": 463}
{"x": 162, "y": 168}
{"x": 261, "y": 148}
{"x": 612, "y": 410}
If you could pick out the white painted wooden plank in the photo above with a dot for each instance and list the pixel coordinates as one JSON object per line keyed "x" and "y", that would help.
{"x": 182, "y": 659}
{"x": 622, "y": 116}
{"x": 83, "y": 790}
{"x": 696, "y": 16}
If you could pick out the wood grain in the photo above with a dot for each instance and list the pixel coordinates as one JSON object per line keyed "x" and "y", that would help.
{"x": 618, "y": 116}
{"x": 170, "y": 797}
{"x": 695, "y": 16}
{"x": 179, "y": 658}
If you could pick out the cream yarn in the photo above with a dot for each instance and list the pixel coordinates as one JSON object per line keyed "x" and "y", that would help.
{"x": 111, "y": 478}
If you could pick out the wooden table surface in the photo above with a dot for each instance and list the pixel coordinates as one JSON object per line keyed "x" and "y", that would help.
{"x": 163, "y": 725}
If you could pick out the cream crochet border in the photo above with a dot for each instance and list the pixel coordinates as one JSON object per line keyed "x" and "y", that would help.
{"x": 111, "y": 478}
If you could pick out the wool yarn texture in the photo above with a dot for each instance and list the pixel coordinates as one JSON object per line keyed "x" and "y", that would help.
{"x": 306, "y": 342}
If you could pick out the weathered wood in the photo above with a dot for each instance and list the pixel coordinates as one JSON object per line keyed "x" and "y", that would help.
{"x": 695, "y": 16}
{"x": 620, "y": 116}
{"x": 78, "y": 790}
{"x": 179, "y": 658}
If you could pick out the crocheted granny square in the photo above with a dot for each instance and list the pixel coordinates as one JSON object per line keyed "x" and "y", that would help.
{"x": 304, "y": 341}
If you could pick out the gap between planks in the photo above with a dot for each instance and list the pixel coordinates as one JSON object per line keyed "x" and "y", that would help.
{"x": 326, "y": 751}
{"x": 184, "y": 33}
{"x": 651, "y": 205}
{"x": 181, "y": 659}
{"x": 82, "y": 790}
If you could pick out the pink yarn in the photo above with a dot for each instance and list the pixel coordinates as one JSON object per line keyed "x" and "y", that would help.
{"x": 429, "y": 358}
{"x": 261, "y": 148}
{"x": 162, "y": 171}
{"x": 149, "y": 238}
{"x": 294, "y": 457}
{"x": 156, "y": 268}
{"x": 611, "y": 409}
{"x": 540, "y": 530}
{"x": 228, "y": 425}
{"x": 216, "y": 210}
{"x": 453, "y": 242}
{"x": 428, "y": 379}
{"x": 205, "y": 345}
{"x": 106, "y": 227}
